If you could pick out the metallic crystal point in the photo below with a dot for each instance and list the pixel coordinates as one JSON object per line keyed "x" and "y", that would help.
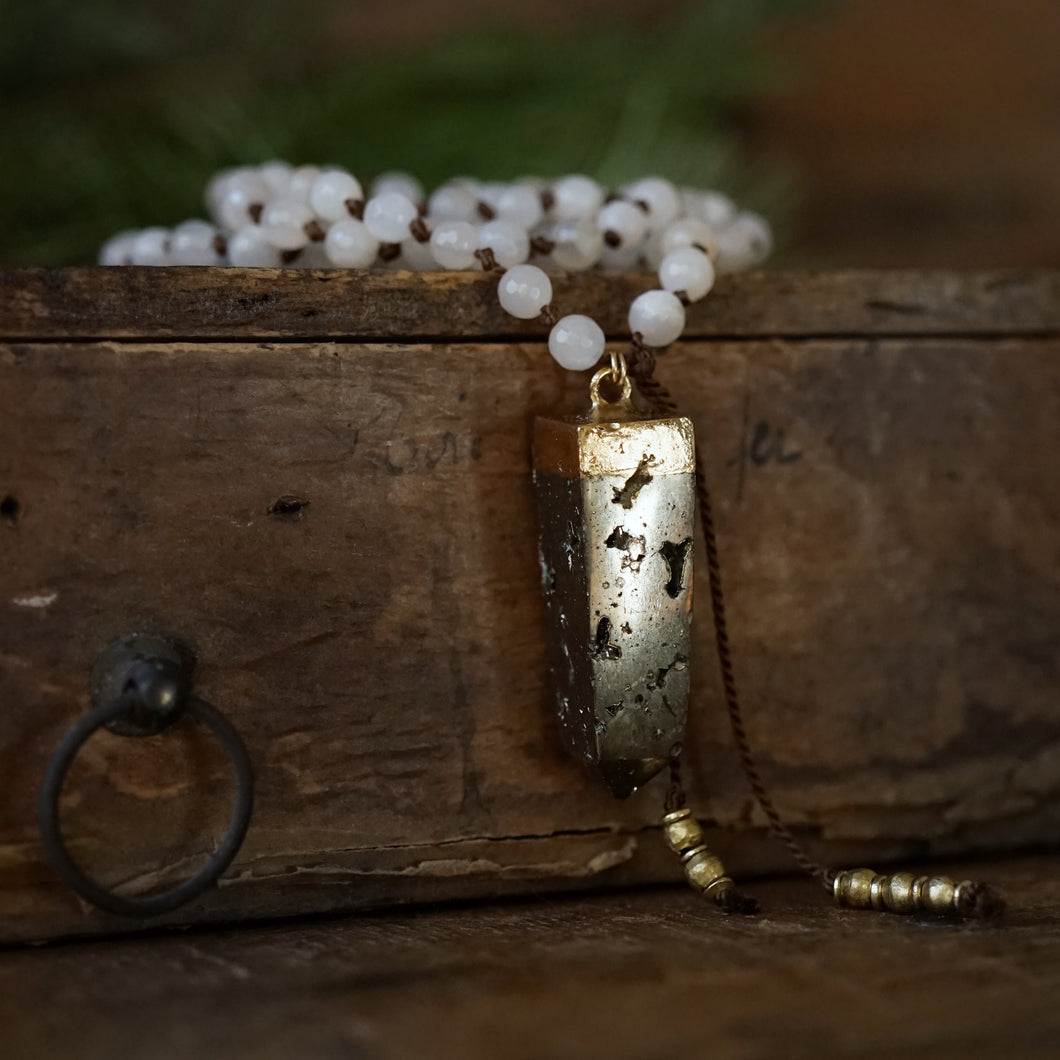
{"x": 616, "y": 501}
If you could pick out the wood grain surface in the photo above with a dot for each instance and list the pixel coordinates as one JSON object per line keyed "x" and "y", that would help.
{"x": 622, "y": 976}
{"x": 888, "y": 510}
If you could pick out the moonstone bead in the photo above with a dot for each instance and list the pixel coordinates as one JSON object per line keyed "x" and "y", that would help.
{"x": 619, "y": 259}
{"x": 399, "y": 183}
{"x": 716, "y": 209}
{"x": 469, "y": 184}
{"x": 509, "y": 242}
{"x": 237, "y": 194}
{"x": 284, "y": 220}
{"x": 192, "y": 243}
{"x": 627, "y": 220}
{"x": 277, "y": 174}
{"x": 689, "y": 270}
{"x": 331, "y": 191}
{"x": 215, "y": 187}
{"x": 576, "y": 198}
{"x": 521, "y": 205}
{"x": 389, "y": 215}
{"x": 658, "y": 316}
{"x": 118, "y": 249}
{"x": 490, "y": 193}
{"x": 453, "y": 244}
{"x": 744, "y": 244}
{"x": 150, "y": 246}
{"x": 417, "y": 256}
{"x": 524, "y": 290}
{"x": 350, "y": 245}
{"x": 576, "y": 342}
{"x": 300, "y": 181}
{"x": 663, "y": 201}
{"x": 578, "y": 245}
{"x": 689, "y": 232}
{"x": 651, "y": 251}
{"x": 451, "y": 202}
{"x": 249, "y": 249}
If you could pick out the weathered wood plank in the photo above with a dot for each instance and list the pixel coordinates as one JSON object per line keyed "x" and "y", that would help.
{"x": 613, "y": 977}
{"x": 888, "y": 511}
{"x": 291, "y": 304}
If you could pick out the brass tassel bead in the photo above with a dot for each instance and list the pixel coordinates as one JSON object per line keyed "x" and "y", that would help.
{"x": 703, "y": 869}
{"x": 905, "y": 892}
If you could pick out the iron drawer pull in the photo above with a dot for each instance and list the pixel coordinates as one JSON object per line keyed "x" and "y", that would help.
{"x": 152, "y": 684}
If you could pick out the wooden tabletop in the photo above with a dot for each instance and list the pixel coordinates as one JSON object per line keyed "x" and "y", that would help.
{"x": 641, "y": 975}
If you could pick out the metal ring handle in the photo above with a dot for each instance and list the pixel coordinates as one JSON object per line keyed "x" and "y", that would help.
{"x": 139, "y": 907}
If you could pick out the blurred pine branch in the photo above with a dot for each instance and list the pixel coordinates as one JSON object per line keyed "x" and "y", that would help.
{"x": 115, "y": 114}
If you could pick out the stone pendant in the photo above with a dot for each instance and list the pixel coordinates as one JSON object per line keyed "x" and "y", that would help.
{"x": 616, "y": 502}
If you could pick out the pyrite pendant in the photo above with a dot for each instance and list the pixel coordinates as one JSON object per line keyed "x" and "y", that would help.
{"x": 616, "y": 502}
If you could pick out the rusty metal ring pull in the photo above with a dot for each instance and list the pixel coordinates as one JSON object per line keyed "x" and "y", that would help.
{"x": 141, "y": 687}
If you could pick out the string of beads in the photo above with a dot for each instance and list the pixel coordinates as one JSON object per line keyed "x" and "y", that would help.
{"x": 277, "y": 215}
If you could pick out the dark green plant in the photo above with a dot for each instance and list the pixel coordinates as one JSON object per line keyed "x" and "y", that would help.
{"x": 115, "y": 115}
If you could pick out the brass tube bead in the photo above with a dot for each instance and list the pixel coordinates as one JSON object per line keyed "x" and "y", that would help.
{"x": 682, "y": 831}
{"x": 705, "y": 872}
{"x": 703, "y": 869}
{"x": 901, "y": 892}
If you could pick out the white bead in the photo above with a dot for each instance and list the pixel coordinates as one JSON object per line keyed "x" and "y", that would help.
{"x": 417, "y": 256}
{"x": 399, "y": 183}
{"x": 576, "y": 197}
{"x": 689, "y": 270}
{"x": 215, "y": 187}
{"x": 469, "y": 184}
{"x": 300, "y": 181}
{"x": 277, "y": 175}
{"x": 238, "y": 195}
{"x": 744, "y": 244}
{"x": 349, "y": 245}
{"x": 663, "y": 201}
{"x": 536, "y": 184}
{"x": 689, "y": 232}
{"x": 523, "y": 291}
{"x": 576, "y": 342}
{"x": 330, "y": 193}
{"x": 658, "y": 316}
{"x": 118, "y": 249}
{"x": 490, "y": 193}
{"x": 651, "y": 251}
{"x": 452, "y": 202}
{"x": 192, "y": 243}
{"x": 625, "y": 219}
{"x": 283, "y": 221}
{"x": 509, "y": 242}
{"x": 620, "y": 259}
{"x": 249, "y": 249}
{"x": 453, "y": 244}
{"x": 150, "y": 246}
{"x": 716, "y": 209}
{"x": 389, "y": 215}
{"x": 521, "y": 205}
{"x": 578, "y": 245}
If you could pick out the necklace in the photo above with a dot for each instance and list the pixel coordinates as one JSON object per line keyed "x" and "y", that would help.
{"x": 618, "y": 486}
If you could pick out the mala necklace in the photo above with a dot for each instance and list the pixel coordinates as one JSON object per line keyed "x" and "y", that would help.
{"x": 618, "y": 487}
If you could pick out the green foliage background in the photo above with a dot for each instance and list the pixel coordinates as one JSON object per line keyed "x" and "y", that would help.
{"x": 114, "y": 114}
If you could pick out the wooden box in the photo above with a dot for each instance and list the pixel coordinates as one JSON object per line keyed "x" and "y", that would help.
{"x": 320, "y": 482}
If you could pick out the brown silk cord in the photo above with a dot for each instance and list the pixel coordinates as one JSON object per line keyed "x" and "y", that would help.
{"x": 642, "y": 368}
